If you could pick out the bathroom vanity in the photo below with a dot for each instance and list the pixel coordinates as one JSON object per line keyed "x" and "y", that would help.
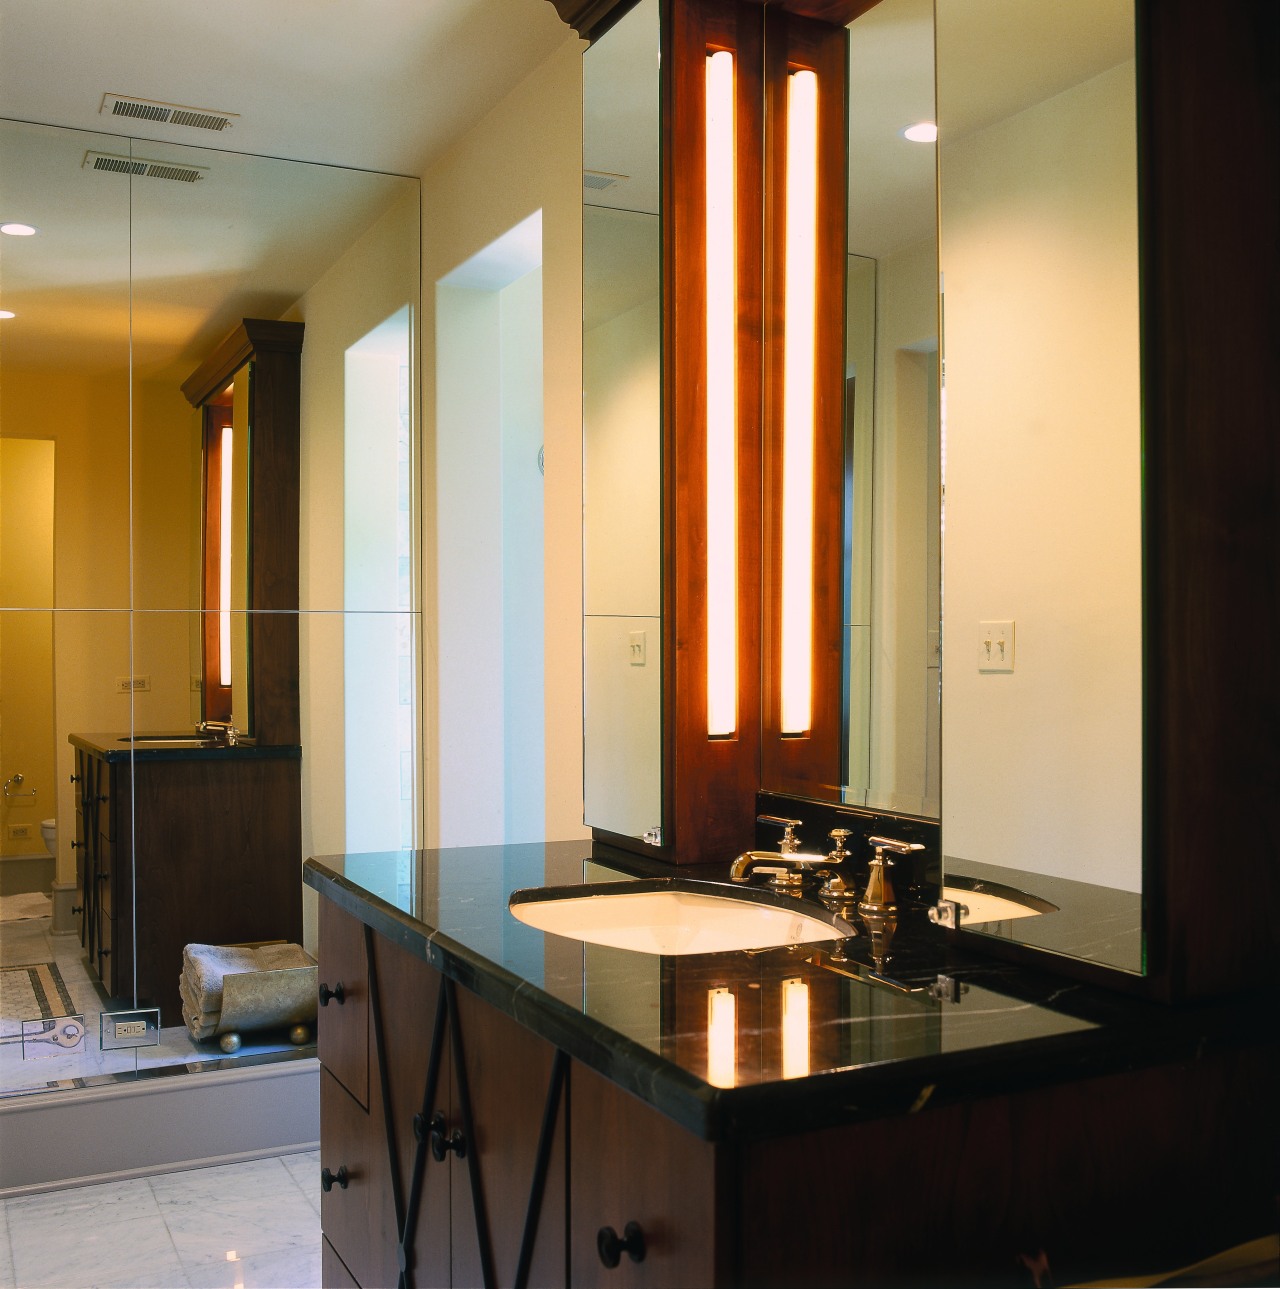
{"x": 182, "y": 840}
{"x": 501, "y": 1105}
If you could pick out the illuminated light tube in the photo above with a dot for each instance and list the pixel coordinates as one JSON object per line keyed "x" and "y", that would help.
{"x": 795, "y": 1028}
{"x": 224, "y": 561}
{"x": 722, "y": 402}
{"x": 798, "y": 377}
{"x": 722, "y": 1038}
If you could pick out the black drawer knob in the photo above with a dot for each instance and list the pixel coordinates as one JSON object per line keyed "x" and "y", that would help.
{"x": 442, "y": 1145}
{"x": 328, "y": 1180}
{"x": 75, "y": 778}
{"x": 77, "y": 845}
{"x": 611, "y": 1247}
{"x": 337, "y": 993}
{"x": 77, "y": 908}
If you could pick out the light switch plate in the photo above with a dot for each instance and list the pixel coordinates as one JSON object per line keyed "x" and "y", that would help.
{"x": 995, "y": 646}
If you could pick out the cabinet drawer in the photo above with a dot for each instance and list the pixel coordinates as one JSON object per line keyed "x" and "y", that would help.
{"x": 628, "y": 1163}
{"x": 358, "y": 1218}
{"x": 342, "y": 1024}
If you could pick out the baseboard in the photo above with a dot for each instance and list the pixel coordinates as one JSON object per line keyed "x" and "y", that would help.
{"x": 49, "y": 1140}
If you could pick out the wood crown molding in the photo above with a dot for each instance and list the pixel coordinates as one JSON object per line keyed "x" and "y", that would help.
{"x": 253, "y": 335}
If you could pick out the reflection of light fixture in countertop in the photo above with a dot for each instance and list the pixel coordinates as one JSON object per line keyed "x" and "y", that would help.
{"x": 921, "y": 132}
{"x": 795, "y": 1028}
{"x": 7, "y": 313}
{"x": 722, "y": 1038}
{"x": 18, "y": 230}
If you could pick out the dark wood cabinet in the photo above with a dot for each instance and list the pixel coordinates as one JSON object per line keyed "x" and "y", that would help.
{"x": 179, "y": 850}
{"x": 447, "y": 1148}
{"x": 1117, "y": 1173}
{"x": 631, "y": 1167}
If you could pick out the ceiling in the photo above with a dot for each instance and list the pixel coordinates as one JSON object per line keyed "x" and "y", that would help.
{"x": 377, "y": 84}
{"x": 154, "y": 273}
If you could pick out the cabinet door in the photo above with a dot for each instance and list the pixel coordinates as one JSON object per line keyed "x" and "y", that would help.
{"x": 342, "y": 1024}
{"x": 408, "y": 995}
{"x": 355, "y": 1212}
{"x": 628, "y": 1163}
{"x": 508, "y": 1073}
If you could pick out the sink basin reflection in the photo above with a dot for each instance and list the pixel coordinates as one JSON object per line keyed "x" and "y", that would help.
{"x": 991, "y": 902}
{"x": 671, "y": 915}
{"x": 170, "y": 740}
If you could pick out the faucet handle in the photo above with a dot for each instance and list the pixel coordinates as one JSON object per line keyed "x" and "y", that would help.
{"x": 882, "y": 844}
{"x": 789, "y": 843}
{"x": 839, "y": 852}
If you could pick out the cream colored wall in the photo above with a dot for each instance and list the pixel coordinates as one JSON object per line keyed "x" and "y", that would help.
{"x": 1042, "y": 768}
{"x": 26, "y": 640}
{"x": 906, "y": 325}
{"x": 622, "y": 455}
{"x": 370, "y": 281}
{"x": 525, "y": 155}
{"x": 96, "y": 640}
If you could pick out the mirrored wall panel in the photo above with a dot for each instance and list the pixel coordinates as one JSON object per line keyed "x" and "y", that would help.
{"x": 622, "y": 429}
{"x": 1042, "y": 648}
{"x": 127, "y": 504}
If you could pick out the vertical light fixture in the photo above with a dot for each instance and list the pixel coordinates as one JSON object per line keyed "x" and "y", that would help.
{"x": 722, "y": 1038}
{"x": 722, "y": 400}
{"x": 798, "y": 377}
{"x": 795, "y": 1028}
{"x": 225, "y": 460}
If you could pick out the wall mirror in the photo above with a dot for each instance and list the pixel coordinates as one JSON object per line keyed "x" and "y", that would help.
{"x": 1012, "y": 488}
{"x": 622, "y": 428}
{"x": 147, "y": 254}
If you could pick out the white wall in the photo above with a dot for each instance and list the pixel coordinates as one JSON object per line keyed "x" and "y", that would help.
{"x": 622, "y": 465}
{"x": 523, "y": 157}
{"x": 903, "y": 565}
{"x": 1042, "y": 768}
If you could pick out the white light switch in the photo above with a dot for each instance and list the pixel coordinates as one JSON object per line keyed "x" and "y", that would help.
{"x": 637, "y": 649}
{"x": 995, "y": 646}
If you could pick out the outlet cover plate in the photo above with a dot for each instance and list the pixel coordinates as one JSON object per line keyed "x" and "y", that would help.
{"x": 137, "y": 1028}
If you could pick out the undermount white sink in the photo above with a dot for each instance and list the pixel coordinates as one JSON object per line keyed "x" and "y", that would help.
{"x": 986, "y": 906}
{"x": 673, "y": 916}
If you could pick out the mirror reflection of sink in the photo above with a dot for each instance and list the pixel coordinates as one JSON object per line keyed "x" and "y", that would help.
{"x": 169, "y": 740}
{"x": 674, "y": 916}
{"x": 992, "y": 902}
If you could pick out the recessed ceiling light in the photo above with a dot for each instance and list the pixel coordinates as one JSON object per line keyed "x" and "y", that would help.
{"x": 18, "y": 230}
{"x": 921, "y": 132}
{"x": 7, "y": 313}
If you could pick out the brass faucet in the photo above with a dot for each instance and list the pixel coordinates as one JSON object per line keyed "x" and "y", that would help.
{"x": 225, "y": 728}
{"x": 788, "y": 869}
{"x": 878, "y": 899}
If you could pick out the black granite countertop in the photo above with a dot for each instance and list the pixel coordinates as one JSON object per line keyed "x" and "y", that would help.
{"x": 178, "y": 745}
{"x": 934, "y": 1024}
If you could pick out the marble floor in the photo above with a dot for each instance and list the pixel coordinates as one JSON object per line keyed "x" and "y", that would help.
{"x": 253, "y": 1225}
{"x": 45, "y": 1066}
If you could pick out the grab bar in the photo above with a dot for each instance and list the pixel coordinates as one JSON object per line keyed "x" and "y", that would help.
{"x": 16, "y": 781}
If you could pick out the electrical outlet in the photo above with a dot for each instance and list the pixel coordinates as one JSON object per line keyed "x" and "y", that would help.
{"x": 196, "y": 684}
{"x": 139, "y": 1027}
{"x": 133, "y": 684}
{"x": 637, "y": 649}
{"x": 18, "y": 832}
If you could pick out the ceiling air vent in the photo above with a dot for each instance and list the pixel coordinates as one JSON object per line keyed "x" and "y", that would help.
{"x": 142, "y": 109}
{"x": 142, "y": 166}
{"x": 599, "y": 180}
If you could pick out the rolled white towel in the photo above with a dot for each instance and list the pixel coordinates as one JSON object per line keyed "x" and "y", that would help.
{"x": 206, "y": 964}
{"x": 191, "y": 1003}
